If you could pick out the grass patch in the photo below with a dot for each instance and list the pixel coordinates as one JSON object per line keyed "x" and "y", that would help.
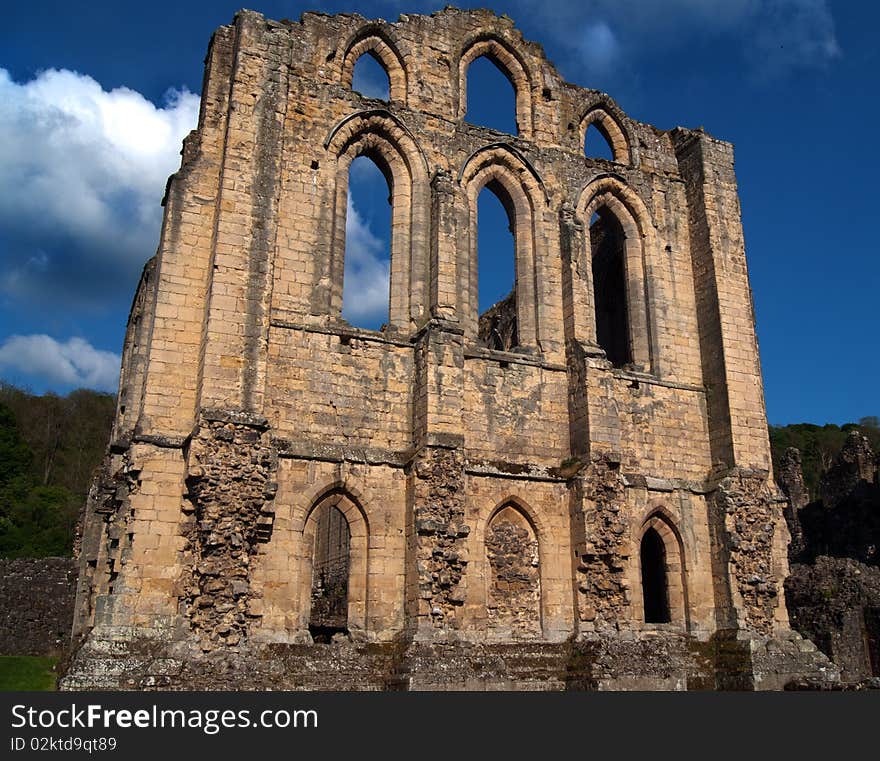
{"x": 27, "y": 672}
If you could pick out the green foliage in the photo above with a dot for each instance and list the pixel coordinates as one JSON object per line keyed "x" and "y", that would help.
{"x": 15, "y": 456}
{"x": 49, "y": 448}
{"x": 67, "y": 435}
{"x": 39, "y": 524}
{"x": 819, "y": 445}
{"x": 27, "y": 672}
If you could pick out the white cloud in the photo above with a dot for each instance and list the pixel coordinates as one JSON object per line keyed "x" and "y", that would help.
{"x": 73, "y": 363}
{"x": 599, "y": 45}
{"x": 799, "y": 32}
{"x": 367, "y": 272}
{"x": 775, "y": 35}
{"x": 82, "y": 171}
{"x": 795, "y": 34}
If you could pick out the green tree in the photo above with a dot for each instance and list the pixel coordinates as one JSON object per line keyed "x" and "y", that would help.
{"x": 40, "y": 525}
{"x": 49, "y": 449}
{"x": 15, "y": 455}
{"x": 819, "y": 445}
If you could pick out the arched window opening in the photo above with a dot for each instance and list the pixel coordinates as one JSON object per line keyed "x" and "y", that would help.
{"x": 607, "y": 241}
{"x": 496, "y": 278}
{"x": 330, "y": 572}
{"x": 514, "y": 599}
{"x": 597, "y": 144}
{"x": 370, "y": 78}
{"x": 655, "y": 589}
{"x": 491, "y": 98}
{"x": 367, "y": 271}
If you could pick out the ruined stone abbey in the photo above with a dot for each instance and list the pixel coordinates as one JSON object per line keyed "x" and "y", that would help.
{"x": 572, "y": 490}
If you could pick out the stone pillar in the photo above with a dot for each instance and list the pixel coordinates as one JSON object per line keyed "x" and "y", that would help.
{"x": 755, "y": 538}
{"x": 184, "y": 258}
{"x": 444, "y": 291}
{"x": 437, "y": 530}
{"x": 728, "y": 345}
{"x": 747, "y": 508}
{"x": 598, "y": 504}
{"x": 577, "y": 291}
{"x": 223, "y": 525}
{"x": 854, "y": 467}
{"x": 791, "y": 480}
{"x": 234, "y": 368}
{"x": 579, "y": 325}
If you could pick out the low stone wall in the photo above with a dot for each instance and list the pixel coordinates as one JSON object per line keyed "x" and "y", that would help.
{"x": 836, "y": 603}
{"x": 128, "y": 658}
{"x": 36, "y": 605}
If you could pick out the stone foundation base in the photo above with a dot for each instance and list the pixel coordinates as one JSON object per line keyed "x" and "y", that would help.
{"x": 115, "y": 660}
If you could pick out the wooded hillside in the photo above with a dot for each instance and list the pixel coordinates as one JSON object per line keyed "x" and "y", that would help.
{"x": 49, "y": 447}
{"x": 819, "y": 445}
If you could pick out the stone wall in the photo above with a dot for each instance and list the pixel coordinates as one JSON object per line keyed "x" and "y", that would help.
{"x": 836, "y": 603}
{"x": 36, "y": 600}
{"x": 497, "y": 327}
{"x": 514, "y": 600}
{"x": 833, "y": 592}
{"x": 496, "y": 487}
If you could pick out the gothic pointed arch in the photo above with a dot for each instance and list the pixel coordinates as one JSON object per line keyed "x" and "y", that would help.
{"x": 507, "y": 58}
{"x": 374, "y": 40}
{"x": 610, "y": 126}
{"x": 662, "y": 589}
{"x": 384, "y": 139}
{"x": 513, "y": 596}
{"x": 619, "y": 240}
{"x": 509, "y": 155}
{"x": 333, "y": 563}
{"x": 534, "y": 518}
{"x": 521, "y": 192}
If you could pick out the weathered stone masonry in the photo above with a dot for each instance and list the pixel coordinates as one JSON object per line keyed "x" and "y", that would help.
{"x": 36, "y": 600}
{"x": 498, "y": 474}
{"x": 833, "y": 592}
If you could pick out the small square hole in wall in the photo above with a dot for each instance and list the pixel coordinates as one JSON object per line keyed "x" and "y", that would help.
{"x": 314, "y": 165}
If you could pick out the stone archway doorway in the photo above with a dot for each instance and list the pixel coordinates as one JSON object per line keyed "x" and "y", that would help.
{"x": 330, "y": 574}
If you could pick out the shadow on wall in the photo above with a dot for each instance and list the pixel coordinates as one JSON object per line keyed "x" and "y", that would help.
{"x": 833, "y": 591}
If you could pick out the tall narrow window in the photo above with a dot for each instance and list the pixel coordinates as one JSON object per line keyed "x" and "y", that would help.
{"x": 330, "y": 570}
{"x": 597, "y": 145}
{"x": 370, "y": 78}
{"x": 491, "y": 99}
{"x": 609, "y": 287}
{"x": 655, "y": 590}
{"x": 496, "y": 255}
{"x": 366, "y": 279}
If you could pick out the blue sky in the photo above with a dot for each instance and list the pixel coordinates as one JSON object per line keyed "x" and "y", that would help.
{"x": 94, "y": 99}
